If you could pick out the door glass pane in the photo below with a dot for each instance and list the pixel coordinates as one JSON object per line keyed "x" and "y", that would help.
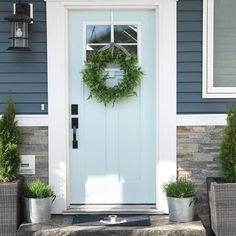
{"x": 98, "y": 33}
{"x": 126, "y": 33}
{"x": 90, "y": 49}
{"x": 224, "y": 43}
{"x": 132, "y": 49}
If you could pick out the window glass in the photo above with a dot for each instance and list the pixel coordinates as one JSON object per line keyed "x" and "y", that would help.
{"x": 98, "y": 34}
{"x": 90, "y": 49}
{"x": 125, "y": 33}
{"x": 224, "y": 70}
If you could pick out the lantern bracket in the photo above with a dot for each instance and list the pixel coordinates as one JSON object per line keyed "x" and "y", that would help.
{"x": 24, "y": 8}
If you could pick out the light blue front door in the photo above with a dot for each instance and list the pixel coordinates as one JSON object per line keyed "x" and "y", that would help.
{"x": 116, "y": 155}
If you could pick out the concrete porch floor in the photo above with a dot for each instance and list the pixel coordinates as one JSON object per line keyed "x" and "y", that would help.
{"x": 160, "y": 225}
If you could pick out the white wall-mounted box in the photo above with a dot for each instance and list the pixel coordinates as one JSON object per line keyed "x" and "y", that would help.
{"x": 27, "y": 166}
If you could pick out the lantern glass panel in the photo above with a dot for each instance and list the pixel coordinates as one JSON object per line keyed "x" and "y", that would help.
{"x": 19, "y": 34}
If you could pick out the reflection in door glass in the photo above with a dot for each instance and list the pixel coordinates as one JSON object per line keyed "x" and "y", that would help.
{"x": 98, "y": 34}
{"x": 125, "y": 33}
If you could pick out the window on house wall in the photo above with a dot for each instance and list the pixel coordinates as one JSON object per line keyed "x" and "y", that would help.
{"x": 219, "y": 49}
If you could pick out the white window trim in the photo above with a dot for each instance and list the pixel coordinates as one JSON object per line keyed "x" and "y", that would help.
{"x": 208, "y": 89}
{"x": 58, "y": 107}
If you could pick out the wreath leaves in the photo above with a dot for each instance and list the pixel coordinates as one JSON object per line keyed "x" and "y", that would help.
{"x": 95, "y": 78}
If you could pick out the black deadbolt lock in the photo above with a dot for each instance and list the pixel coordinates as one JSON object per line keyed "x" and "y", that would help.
{"x": 74, "y": 109}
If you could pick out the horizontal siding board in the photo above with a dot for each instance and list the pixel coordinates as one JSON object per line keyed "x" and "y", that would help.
{"x": 189, "y": 57}
{"x": 202, "y": 108}
{"x": 23, "y": 88}
{"x": 189, "y": 87}
{"x": 197, "y": 97}
{"x": 189, "y": 36}
{"x": 189, "y": 26}
{"x": 24, "y": 98}
{"x": 189, "y": 16}
{"x": 189, "y": 46}
{"x": 189, "y": 77}
{"x": 27, "y": 108}
{"x": 23, "y": 78}
{"x": 189, "y": 5}
{"x": 189, "y": 67}
{"x": 24, "y": 57}
{"x": 23, "y": 67}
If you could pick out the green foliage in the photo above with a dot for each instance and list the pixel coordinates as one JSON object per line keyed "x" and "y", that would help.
{"x": 95, "y": 78}
{"x": 38, "y": 189}
{"x": 9, "y": 145}
{"x": 228, "y": 147}
{"x": 181, "y": 188}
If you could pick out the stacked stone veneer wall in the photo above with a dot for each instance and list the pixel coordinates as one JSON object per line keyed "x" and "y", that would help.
{"x": 197, "y": 157}
{"x": 35, "y": 142}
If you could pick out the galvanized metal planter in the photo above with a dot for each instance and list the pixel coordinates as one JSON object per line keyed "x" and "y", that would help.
{"x": 222, "y": 203}
{"x": 181, "y": 209}
{"x": 38, "y": 210}
{"x": 10, "y": 207}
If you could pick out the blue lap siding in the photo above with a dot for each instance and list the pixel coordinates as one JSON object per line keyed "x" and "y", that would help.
{"x": 23, "y": 75}
{"x": 189, "y": 62}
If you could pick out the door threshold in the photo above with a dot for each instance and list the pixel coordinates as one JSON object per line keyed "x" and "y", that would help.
{"x": 112, "y": 209}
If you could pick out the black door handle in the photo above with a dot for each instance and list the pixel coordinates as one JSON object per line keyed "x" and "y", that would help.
{"x": 75, "y": 126}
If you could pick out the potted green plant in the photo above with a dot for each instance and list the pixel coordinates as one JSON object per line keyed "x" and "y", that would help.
{"x": 222, "y": 190}
{"x": 38, "y": 199}
{"x": 181, "y": 199}
{"x": 10, "y": 181}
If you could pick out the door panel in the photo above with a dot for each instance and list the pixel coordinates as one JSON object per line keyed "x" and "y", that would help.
{"x": 115, "y": 159}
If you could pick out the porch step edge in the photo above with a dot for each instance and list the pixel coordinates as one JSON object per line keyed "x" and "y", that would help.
{"x": 160, "y": 226}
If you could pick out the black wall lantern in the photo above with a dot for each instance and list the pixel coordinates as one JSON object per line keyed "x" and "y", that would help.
{"x": 20, "y": 21}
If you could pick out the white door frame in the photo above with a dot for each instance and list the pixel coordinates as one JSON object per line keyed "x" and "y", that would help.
{"x": 58, "y": 107}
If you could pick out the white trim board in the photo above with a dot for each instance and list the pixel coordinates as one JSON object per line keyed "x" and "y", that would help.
{"x": 58, "y": 106}
{"x": 31, "y": 120}
{"x": 201, "y": 120}
{"x": 181, "y": 120}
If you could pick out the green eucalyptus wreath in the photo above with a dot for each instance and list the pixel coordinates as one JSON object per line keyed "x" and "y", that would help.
{"x": 94, "y": 76}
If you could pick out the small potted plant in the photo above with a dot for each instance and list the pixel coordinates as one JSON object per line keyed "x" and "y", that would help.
{"x": 38, "y": 200}
{"x": 10, "y": 181}
{"x": 181, "y": 199}
{"x": 222, "y": 190}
